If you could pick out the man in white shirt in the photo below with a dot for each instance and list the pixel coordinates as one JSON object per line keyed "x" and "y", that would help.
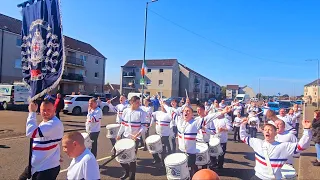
{"x": 148, "y": 109}
{"x": 45, "y": 163}
{"x": 222, "y": 104}
{"x": 93, "y": 124}
{"x": 288, "y": 120}
{"x": 297, "y": 114}
{"x": 236, "y": 124}
{"x": 83, "y": 165}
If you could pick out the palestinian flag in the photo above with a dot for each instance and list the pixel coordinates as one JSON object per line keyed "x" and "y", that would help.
{"x": 143, "y": 68}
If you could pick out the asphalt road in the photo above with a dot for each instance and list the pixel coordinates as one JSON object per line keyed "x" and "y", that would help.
{"x": 14, "y": 153}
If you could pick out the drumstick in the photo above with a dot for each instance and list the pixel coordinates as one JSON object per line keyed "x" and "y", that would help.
{"x": 133, "y": 136}
{"x": 113, "y": 98}
{"x": 186, "y": 93}
{"x": 113, "y": 158}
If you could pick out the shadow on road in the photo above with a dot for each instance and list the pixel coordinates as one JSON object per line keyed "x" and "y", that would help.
{"x": 4, "y": 146}
{"x": 235, "y": 173}
{"x": 238, "y": 162}
{"x": 309, "y": 154}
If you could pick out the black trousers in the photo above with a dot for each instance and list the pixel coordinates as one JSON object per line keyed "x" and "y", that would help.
{"x": 113, "y": 142}
{"x": 49, "y": 174}
{"x": 236, "y": 133}
{"x": 173, "y": 140}
{"x": 255, "y": 178}
{"x": 143, "y": 140}
{"x": 131, "y": 168}
{"x": 192, "y": 164}
{"x": 94, "y": 137}
{"x": 58, "y": 113}
{"x": 297, "y": 129}
{"x": 165, "y": 149}
{"x": 220, "y": 161}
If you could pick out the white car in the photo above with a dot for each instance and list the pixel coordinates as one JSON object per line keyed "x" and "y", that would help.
{"x": 78, "y": 104}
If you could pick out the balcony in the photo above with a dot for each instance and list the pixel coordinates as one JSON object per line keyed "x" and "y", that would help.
{"x": 207, "y": 84}
{"x": 129, "y": 85}
{"x": 72, "y": 77}
{"x": 129, "y": 74}
{"x": 196, "y": 90}
{"x": 74, "y": 61}
{"x": 196, "y": 81}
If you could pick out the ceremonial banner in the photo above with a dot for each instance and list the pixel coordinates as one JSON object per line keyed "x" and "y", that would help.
{"x": 42, "y": 46}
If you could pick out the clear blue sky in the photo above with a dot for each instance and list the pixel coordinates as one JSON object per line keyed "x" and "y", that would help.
{"x": 278, "y": 37}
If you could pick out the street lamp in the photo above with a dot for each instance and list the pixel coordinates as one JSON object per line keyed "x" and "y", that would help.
{"x": 317, "y": 81}
{"x": 145, "y": 45}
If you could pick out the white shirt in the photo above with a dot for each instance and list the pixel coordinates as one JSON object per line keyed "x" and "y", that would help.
{"x": 93, "y": 122}
{"x": 287, "y": 137}
{"x": 174, "y": 112}
{"x": 163, "y": 121}
{"x": 118, "y": 109}
{"x": 222, "y": 123}
{"x": 149, "y": 111}
{"x": 254, "y": 121}
{"x": 237, "y": 121}
{"x": 207, "y": 122}
{"x": 288, "y": 123}
{"x": 46, "y": 142}
{"x": 84, "y": 166}
{"x": 237, "y": 109}
{"x": 297, "y": 115}
{"x": 132, "y": 122}
{"x": 222, "y": 105}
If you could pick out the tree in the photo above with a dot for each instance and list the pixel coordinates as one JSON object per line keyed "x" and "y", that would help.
{"x": 223, "y": 92}
{"x": 285, "y": 95}
{"x": 259, "y": 95}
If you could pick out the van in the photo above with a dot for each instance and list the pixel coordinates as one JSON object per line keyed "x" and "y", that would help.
{"x": 13, "y": 95}
{"x": 130, "y": 95}
{"x": 243, "y": 98}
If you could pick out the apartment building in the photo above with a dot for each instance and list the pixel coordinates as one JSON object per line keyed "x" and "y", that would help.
{"x": 162, "y": 77}
{"x": 84, "y": 67}
{"x": 311, "y": 91}
{"x": 232, "y": 91}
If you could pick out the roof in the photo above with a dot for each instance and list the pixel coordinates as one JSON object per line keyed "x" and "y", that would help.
{"x": 313, "y": 83}
{"x": 197, "y": 73}
{"x": 151, "y": 63}
{"x": 236, "y": 87}
{"x": 14, "y": 25}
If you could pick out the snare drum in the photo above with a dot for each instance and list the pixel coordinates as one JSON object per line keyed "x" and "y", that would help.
{"x": 177, "y": 166}
{"x": 288, "y": 172}
{"x": 87, "y": 140}
{"x": 154, "y": 144}
{"x": 112, "y": 130}
{"x": 129, "y": 154}
{"x": 215, "y": 148}
{"x": 202, "y": 155}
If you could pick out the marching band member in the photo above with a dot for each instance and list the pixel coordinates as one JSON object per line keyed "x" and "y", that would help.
{"x": 132, "y": 127}
{"x": 83, "y": 165}
{"x": 269, "y": 149}
{"x": 162, "y": 120}
{"x": 297, "y": 113}
{"x": 206, "y": 106}
{"x": 148, "y": 109}
{"x": 236, "y": 109}
{"x": 284, "y": 136}
{"x": 117, "y": 109}
{"x": 253, "y": 124}
{"x": 223, "y": 126}
{"x": 93, "y": 124}
{"x": 287, "y": 119}
{"x": 265, "y": 109}
{"x": 236, "y": 124}
{"x": 45, "y": 163}
{"x": 214, "y": 107}
{"x": 222, "y": 105}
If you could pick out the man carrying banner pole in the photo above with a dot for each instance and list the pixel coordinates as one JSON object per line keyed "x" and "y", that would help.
{"x": 43, "y": 59}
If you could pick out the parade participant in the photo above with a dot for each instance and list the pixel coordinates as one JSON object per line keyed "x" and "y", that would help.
{"x": 206, "y": 106}
{"x": 288, "y": 120}
{"x": 253, "y": 124}
{"x": 205, "y": 174}
{"x": 59, "y": 105}
{"x": 148, "y": 109}
{"x": 269, "y": 149}
{"x": 83, "y": 165}
{"x": 297, "y": 114}
{"x": 117, "y": 109}
{"x": 45, "y": 163}
{"x": 99, "y": 102}
{"x": 156, "y": 104}
{"x": 213, "y": 108}
{"x": 132, "y": 127}
{"x": 236, "y": 124}
{"x": 162, "y": 120}
{"x": 284, "y": 136}
{"x": 222, "y": 104}
{"x": 223, "y": 126}
{"x": 265, "y": 109}
{"x": 236, "y": 109}
{"x": 93, "y": 124}
{"x": 316, "y": 136}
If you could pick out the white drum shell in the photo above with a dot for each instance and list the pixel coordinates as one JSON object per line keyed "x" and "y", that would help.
{"x": 177, "y": 166}
{"x": 129, "y": 154}
{"x": 202, "y": 156}
{"x": 288, "y": 172}
{"x": 87, "y": 140}
{"x": 154, "y": 144}
{"x": 112, "y": 130}
{"x": 215, "y": 148}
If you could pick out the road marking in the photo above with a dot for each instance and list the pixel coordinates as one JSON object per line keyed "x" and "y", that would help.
{"x": 101, "y": 159}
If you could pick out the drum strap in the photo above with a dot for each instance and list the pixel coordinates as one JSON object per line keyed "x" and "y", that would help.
{"x": 266, "y": 156}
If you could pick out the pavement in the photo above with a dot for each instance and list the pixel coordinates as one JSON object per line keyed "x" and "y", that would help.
{"x": 239, "y": 159}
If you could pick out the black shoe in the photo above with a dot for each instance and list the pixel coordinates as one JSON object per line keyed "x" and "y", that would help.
{"x": 316, "y": 163}
{"x": 125, "y": 176}
{"x": 144, "y": 148}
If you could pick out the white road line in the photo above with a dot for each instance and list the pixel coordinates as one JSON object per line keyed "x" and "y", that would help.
{"x": 101, "y": 159}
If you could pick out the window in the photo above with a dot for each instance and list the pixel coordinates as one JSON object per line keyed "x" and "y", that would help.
{"x": 83, "y": 72}
{"x": 148, "y": 82}
{"x": 161, "y": 70}
{"x": 86, "y": 99}
{"x": 84, "y": 58}
{"x": 97, "y": 61}
{"x": 149, "y": 70}
{"x": 160, "y": 82}
{"x": 18, "y": 64}
{"x": 96, "y": 75}
{"x": 18, "y": 42}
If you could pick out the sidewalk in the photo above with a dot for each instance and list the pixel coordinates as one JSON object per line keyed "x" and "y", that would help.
{"x": 306, "y": 170}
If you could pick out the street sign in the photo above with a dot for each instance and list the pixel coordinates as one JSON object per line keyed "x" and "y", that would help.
{"x": 141, "y": 81}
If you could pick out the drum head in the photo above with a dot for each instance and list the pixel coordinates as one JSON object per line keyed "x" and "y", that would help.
{"x": 109, "y": 126}
{"x": 175, "y": 159}
{"x": 214, "y": 141}
{"x": 153, "y": 139}
{"x": 124, "y": 144}
{"x": 85, "y": 135}
{"x": 201, "y": 147}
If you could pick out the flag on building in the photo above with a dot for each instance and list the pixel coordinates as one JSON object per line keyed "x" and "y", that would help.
{"x": 143, "y": 68}
{"x": 42, "y": 48}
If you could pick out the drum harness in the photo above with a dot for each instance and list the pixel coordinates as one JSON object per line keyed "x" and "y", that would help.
{"x": 266, "y": 156}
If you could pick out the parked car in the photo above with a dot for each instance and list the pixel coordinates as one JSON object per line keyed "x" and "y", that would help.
{"x": 274, "y": 106}
{"x": 285, "y": 104}
{"x": 78, "y": 104}
{"x": 299, "y": 102}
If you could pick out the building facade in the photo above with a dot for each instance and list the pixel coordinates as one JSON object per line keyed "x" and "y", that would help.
{"x": 247, "y": 90}
{"x": 232, "y": 91}
{"x": 84, "y": 69}
{"x": 311, "y": 92}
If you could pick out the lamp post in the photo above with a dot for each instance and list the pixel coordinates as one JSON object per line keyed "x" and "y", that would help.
{"x": 317, "y": 81}
{"x": 145, "y": 45}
